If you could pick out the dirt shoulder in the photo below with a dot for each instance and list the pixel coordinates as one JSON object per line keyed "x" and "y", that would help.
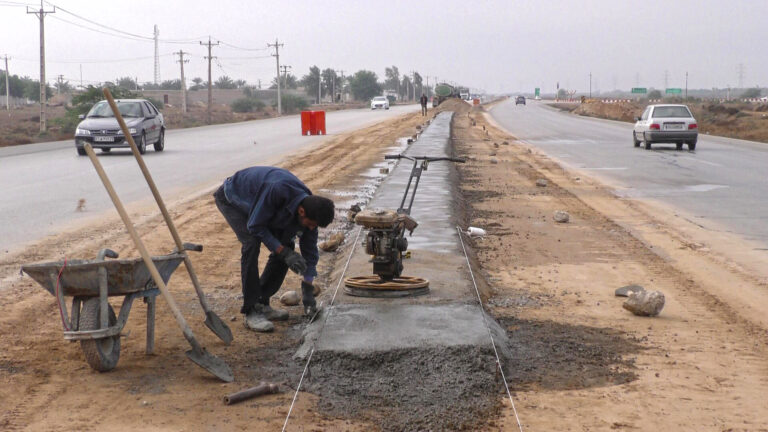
{"x": 699, "y": 366}
{"x": 734, "y": 120}
{"x": 580, "y": 362}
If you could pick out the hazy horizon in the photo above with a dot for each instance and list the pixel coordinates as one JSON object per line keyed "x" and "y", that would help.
{"x": 499, "y": 46}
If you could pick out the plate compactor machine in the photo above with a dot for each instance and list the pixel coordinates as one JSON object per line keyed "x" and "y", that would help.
{"x": 386, "y": 243}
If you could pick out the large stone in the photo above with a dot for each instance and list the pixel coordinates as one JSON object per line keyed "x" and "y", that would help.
{"x": 332, "y": 243}
{"x": 645, "y": 303}
{"x": 625, "y": 291}
{"x": 541, "y": 182}
{"x": 561, "y": 216}
{"x": 290, "y": 298}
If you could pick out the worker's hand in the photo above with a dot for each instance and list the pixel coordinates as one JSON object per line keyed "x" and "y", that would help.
{"x": 308, "y": 299}
{"x": 294, "y": 261}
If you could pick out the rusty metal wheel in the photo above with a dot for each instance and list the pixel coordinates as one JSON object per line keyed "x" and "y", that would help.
{"x": 374, "y": 286}
{"x": 101, "y": 354}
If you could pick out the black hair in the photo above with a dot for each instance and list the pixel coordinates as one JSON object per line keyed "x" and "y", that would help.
{"x": 319, "y": 209}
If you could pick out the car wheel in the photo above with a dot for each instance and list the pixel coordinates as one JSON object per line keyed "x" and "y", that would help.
{"x": 386, "y": 108}
{"x": 142, "y": 144}
{"x": 81, "y": 151}
{"x": 160, "y": 144}
{"x": 692, "y": 145}
{"x": 679, "y": 146}
{"x": 106, "y": 150}
{"x": 635, "y": 140}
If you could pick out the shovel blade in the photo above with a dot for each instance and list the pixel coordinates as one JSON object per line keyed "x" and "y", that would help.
{"x": 212, "y": 364}
{"x": 218, "y": 327}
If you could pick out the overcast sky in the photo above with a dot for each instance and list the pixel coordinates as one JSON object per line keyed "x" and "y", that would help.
{"x": 494, "y": 45}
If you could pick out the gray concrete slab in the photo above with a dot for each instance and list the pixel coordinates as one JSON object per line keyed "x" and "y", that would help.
{"x": 363, "y": 329}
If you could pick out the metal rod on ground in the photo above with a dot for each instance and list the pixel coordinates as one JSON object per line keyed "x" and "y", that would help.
{"x": 212, "y": 321}
{"x": 198, "y": 354}
{"x": 252, "y": 392}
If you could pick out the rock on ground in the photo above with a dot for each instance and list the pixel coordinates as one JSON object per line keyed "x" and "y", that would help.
{"x": 541, "y": 182}
{"x": 645, "y": 303}
{"x": 332, "y": 243}
{"x": 562, "y": 216}
{"x": 290, "y": 298}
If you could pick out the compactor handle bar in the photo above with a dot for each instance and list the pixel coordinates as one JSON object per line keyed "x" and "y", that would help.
{"x": 425, "y": 158}
{"x": 416, "y": 171}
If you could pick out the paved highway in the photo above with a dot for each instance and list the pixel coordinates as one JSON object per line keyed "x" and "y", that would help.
{"x": 722, "y": 185}
{"x": 41, "y": 184}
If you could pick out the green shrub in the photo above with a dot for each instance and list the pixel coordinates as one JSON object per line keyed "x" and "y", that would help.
{"x": 157, "y": 103}
{"x": 292, "y": 103}
{"x": 247, "y": 104}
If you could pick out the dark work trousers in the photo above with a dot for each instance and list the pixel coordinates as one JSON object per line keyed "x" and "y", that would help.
{"x": 256, "y": 290}
{"x": 423, "y": 110}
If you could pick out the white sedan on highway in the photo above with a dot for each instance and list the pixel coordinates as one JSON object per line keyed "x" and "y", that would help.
{"x": 379, "y": 102}
{"x": 666, "y": 124}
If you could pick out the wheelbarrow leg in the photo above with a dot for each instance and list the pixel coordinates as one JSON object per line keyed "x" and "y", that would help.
{"x": 59, "y": 297}
{"x": 103, "y": 302}
{"x": 75, "y": 314}
{"x": 150, "y": 323}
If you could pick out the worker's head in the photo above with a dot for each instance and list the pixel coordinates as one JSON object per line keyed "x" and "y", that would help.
{"x": 315, "y": 211}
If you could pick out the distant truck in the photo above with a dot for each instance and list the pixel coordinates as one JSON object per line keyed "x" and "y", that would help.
{"x": 443, "y": 91}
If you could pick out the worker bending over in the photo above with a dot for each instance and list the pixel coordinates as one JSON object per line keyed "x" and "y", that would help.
{"x": 272, "y": 206}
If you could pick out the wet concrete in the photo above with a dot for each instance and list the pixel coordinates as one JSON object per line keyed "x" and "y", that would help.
{"x": 385, "y": 327}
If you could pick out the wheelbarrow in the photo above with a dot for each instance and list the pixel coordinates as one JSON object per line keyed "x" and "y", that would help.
{"x": 90, "y": 283}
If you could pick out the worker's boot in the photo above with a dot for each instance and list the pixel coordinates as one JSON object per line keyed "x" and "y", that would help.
{"x": 274, "y": 314}
{"x": 257, "y": 320}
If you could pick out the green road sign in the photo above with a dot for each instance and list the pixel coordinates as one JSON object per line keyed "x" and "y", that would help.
{"x": 674, "y": 91}
{"x": 639, "y": 90}
{"x": 538, "y": 90}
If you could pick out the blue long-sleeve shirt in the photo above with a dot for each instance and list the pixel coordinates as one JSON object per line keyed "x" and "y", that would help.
{"x": 270, "y": 197}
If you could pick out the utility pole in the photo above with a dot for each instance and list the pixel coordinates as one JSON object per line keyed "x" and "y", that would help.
{"x": 183, "y": 82}
{"x": 41, "y": 13}
{"x": 590, "y": 85}
{"x": 342, "y": 84}
{"x": 157, "y": 56}
{"x": 285, "y": 75}
{"x": 276, "y": 55}
{"x": 7, "y": 88}
{"x": 259, "y": 81}
{"x": 686, "y": 85}
{"x": 60, "y": 82}
{"x": 741, "y": 75}
{"x": 319, "y": 85}
{"x": 210, "y": 83}
{"x": 81, "y": 76}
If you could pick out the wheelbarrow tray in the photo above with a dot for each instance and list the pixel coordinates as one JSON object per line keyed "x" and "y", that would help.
{"x": 81, "y": 277}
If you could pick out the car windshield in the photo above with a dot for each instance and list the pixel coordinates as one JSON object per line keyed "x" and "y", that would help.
{"x": 127, "y": 109}
{"x": 671, "y": 111}
{"x": 379, "y": 98}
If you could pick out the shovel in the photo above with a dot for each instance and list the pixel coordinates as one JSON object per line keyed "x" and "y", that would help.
{"x": 197, "y": 354}
{"x": 212, "y": 321}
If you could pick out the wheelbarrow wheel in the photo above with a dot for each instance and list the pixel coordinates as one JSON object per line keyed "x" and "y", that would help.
{"x": 101, "y": 354}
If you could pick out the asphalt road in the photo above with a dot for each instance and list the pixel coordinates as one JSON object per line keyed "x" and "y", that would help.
{"x": 723, "y": 185}
{"x": 41, "y": 184}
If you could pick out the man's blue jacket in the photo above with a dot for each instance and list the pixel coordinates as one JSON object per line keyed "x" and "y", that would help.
{"x": 270, "y": 197}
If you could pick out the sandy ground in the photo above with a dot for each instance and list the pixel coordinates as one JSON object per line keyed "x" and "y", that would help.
{"x": 584, "y": 363}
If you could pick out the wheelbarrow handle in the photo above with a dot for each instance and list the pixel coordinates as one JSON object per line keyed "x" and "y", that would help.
{"x": 109, "y": 253}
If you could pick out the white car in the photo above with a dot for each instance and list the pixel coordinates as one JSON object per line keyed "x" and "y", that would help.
{"x": 379, "y": 102}
{"x": 666, "y": 124}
